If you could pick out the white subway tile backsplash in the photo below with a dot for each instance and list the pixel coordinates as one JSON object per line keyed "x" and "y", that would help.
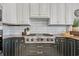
{"x": 37, "y": 26}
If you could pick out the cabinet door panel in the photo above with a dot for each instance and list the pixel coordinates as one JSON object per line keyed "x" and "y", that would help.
{"x": 53, "y": 19}
{"x": 9, "y": 13}
{"x": 61, "y": 13}
{"x": 34, "y": 9}
{"x": 25, "y": 19}
{"x": 45, "y": 9}
{"x": 5, "y": 47}
{"x": 69, "y": 14}
{"x": 19, "y": 9}
{"x": 23, "y": 13}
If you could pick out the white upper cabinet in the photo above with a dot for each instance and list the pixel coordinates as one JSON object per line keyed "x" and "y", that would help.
{"x": 70, "y": 8}
{"x": 9, "y": 13}
{"x": 26, "y": 13}
{"x": 61, "y": 13}
{"x": 40, "y": 10}
{"x": 45, "y": 10}
{"x": 19, "y": 14}
{"x": 53, "y": 14}
{"x": 34, "y": 10}
{"x": 69, "y": 13}
{"x": 57, "y": 14}
{"x": 0, "y": 6}
{"x": 16, "y": 13}
{"x": 22, "y": 13}
{"x": 0, "y": 12}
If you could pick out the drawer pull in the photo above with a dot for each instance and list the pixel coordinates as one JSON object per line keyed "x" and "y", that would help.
{"x": 57, "y": 40}
{"x": 62, "y": 41}
{"x": 39, "y": 52}
{"x": 24, "y": 46}
{"x": 22, "y": 41}
{"x": 55, "y": 46}
{"x": 39, "y": 46}
{"x": 77, "y": 48}
{"x": 16, "y": 40}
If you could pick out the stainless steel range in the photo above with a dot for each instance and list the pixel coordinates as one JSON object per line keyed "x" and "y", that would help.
{"x": 39, "y": 38}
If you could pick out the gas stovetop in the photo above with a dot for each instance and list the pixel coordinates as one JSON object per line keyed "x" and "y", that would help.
{"x": 38, "y": 34}
{"x": 39, "y": 38}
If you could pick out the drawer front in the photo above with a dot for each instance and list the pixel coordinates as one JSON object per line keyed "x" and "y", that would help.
{"x": 40, "y": 52}
{"x": 30, "y": 49}
{"x": 48, "y": 52}
{"x": 77, "y": 48}
{"x": 44, "y": 45}
{"x": 39, "y": 49}
{"x": 7, "y": 47}
{"x": 16, "y": 47}
{"x": 31, "y": 45}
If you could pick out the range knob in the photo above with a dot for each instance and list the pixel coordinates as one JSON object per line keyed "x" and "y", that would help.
{"x": 27, "y": 39}
{"x": 32, "y": 39}
{"x": 51, "y": 39}
{"x": 41, "y": 39}
{"x": 47, "y": 39}
{"x": 37, "y": 39}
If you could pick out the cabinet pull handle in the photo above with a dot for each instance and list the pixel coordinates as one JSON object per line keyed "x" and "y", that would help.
{"x": 22, "y": 41}
{"x": 57, "y": 40}
{"x": 39, "y": 52}
{"x": 39, "y": 46}
{"x": 62, "y": 41}
{"x": 55, "y": 46}
{"x": 24, "y": 46}
{"x": 16, "y": 40}
{"x": 77, "y": 48}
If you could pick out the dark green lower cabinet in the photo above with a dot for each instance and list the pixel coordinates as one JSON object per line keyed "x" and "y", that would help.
{"x": 7, "y": 47}
{"x": 70, "y": 47}
{"x": 66, "y": 46}
{"x": 16, "y": 46}
{"x": 11, "y": 46}
{"x": 77, "y": 48}
{"x": 60, "y": 46}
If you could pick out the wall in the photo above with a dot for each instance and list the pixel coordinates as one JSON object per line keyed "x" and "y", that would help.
{"x": 41, "y": 26}
{"x": 8, "y": 30}
{"x": 37, "y": 26}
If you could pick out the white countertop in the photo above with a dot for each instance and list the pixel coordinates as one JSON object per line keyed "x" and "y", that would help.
{"x": 12, "y": 35}
{"x": 19, "y": 35}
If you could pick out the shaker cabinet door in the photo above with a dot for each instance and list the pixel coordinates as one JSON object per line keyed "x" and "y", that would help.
{"x": 22, "y": 13}
{"x": 61, "y": 13}
{"x": 53, "y": 14}
{"x": 16, "y": 13}
{"x": 9, "y": 13}
{"x": 34, "y": 9}
{"x": 38, "y": 10}
{"x": 69, "y": 13}
{"x": 45, "y": 10}
{"x": 26, "y": 11}
{"x": 57, "y": 15}
{"x": 19, "y": 14}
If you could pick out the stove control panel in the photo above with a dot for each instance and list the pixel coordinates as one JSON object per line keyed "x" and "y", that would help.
{"x": 39, "y": 40}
